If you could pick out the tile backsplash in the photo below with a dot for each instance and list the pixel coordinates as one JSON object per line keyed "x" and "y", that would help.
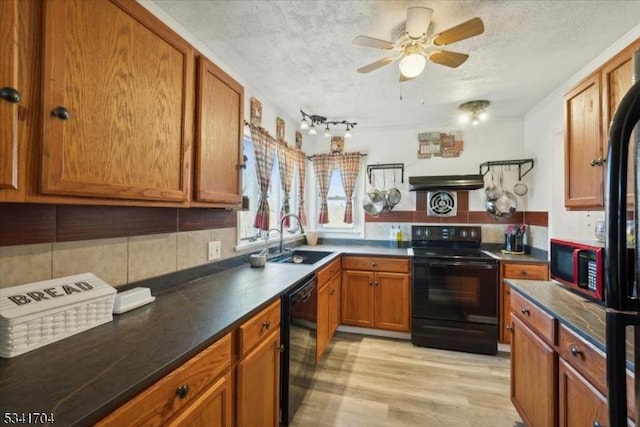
{"x": 118, "y": 261}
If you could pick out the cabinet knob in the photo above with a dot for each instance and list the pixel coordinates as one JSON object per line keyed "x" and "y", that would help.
{"x": 266, "y": 324}
{"x": 10, "y": 95}
{"x": 523, "y": 273}
{"x": 525, "y": 311}
{"x": 375, "y": 283}
{"x": 574, "y": 351}
{"x": 509, "y": 328}
{"x": 182, "y": 391}
{"x": 281, "y": 348}
{"x": 333, "y": 291}
{"x": 598, "y": 162}
{"x": 373, "y": 264}
{"x": 242, "y": 166}
{"x": 60, "y": 113}
{"x": 370, "y": 283}
{"x": 596, "y": 424}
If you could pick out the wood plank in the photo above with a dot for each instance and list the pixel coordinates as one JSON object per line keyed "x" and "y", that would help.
{"x": 101, "y": 222}
{"x": 205, "y": 219}
{"x": 23, "y": 224}
{"x": 536, "y": 218}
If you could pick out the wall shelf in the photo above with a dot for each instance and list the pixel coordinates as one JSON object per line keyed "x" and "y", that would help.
{"x": 520, "y": 163}
{"x": 400, "y": 166}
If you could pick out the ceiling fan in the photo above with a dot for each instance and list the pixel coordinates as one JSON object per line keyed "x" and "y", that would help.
{"x": 416, "y": 47}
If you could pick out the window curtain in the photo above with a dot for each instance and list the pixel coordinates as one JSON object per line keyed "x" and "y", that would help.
{"x": 264, "y": 146}
{"x": 349, "y": 165}
{"x": 302, "y": 170}
{"x": 286, "y": 163}
{"x": 323, "y": 166}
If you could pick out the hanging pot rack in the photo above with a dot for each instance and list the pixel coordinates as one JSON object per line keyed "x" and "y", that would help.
{"x": 520, "y": 163}
{"x": 371, "y": 168}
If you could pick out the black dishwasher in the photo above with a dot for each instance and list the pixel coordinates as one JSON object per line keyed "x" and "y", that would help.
{"x": 298, "y": 335}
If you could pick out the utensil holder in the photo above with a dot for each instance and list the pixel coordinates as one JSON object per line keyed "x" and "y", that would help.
{"x": 513, "y": 243}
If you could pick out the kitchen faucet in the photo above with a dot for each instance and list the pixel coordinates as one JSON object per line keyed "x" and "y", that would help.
{"x": 282, "y": 225}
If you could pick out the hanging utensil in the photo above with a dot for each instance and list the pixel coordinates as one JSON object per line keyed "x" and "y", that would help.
{"x": 493, "y": 191}
{"x": 373, "y": 201}
{"x": 393, "y": 195}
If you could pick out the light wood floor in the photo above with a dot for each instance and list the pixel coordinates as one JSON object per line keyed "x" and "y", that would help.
{"x": 367, "y": 381}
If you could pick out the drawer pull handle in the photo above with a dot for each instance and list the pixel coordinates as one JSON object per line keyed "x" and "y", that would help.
{"x": 9, "y": 94}
{"x": 373, "y": 264}
{"x": 182, "y": 391}
{"x": 524, "y": 273}
{"x": 61, "y": 113}
{"x": 266, "y": 324}
{"x": 575, "y": 352}
{"x": 598, "y": 162}
{"x": 525, "y": 311}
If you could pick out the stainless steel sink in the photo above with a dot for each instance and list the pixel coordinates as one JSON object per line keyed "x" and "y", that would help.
{"x": 300, "y": 257}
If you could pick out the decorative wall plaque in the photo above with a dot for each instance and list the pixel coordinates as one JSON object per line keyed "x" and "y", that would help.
{"x": 298, "y": 140}
{"x": 279, "y": 128}
{"x": 337, "y": 144}
{"x": 256, "y": 112}
{"x": 438, "y": 144}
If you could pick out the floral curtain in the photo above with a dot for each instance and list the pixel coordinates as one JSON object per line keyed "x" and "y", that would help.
{"x": 264, "y": 146}
{"x": 349, "y": 165}
{"x": 286, "y": 163}
{"x": 323, "y": 166}
{"x": 302, "y": 163}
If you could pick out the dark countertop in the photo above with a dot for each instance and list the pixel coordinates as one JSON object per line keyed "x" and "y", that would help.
{"x": 524, "y": 258}
{"x": 586, "y": 318}
{"x": 83, "y": 378}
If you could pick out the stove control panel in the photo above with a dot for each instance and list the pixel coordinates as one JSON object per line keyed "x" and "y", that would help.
{"x": 452, "y": 233}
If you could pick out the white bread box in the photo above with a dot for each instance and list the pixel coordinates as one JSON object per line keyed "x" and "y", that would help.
{"x": 39, "y": 313}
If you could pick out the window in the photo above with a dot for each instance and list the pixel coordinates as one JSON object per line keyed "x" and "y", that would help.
{"x": 251, "y": 189}
{"x": 336, "y": 203}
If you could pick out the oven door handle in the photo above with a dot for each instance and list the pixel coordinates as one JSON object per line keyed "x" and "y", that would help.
{"x": 463, "y": 264}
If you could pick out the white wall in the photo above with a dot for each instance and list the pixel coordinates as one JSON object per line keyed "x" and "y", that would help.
{"x": 544, "y": 140}
{"x": 491, "y": 140}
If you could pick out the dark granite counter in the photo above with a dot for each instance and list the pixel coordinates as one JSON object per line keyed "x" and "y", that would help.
{"x": 83, "y": 378}
{"x": 524, "y": 258}
{"x": 586, "y": 318}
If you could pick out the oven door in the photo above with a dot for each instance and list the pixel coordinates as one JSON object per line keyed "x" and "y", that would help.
{"x": 456, "y": 290}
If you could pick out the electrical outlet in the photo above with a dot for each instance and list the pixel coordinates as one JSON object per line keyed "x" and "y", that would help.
{"x": 214, "y": 250}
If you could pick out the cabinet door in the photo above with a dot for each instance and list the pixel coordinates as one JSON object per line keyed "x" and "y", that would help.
{"x": 505, "y": 314}
{"x": 258, "y": 388}
{"x": 118, "y": 103}
{"x": 358, "y": 295}
{"x": 219, "y": 136}
{"x": 533, "y": 377}
{"x": 583, "y": 144}
{"x": 322, "y": 333}
{"x": 334, "y": 304}
{"x": 580, "y": 403}
{"x": 10, "y": 94}
{"x": 392, "y": 301}
{"x": 617, "y": 78}
{"x": 213, "y": 408}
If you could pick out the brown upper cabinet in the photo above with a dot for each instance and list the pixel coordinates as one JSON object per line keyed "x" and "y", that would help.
{"x": 118, "y": 103}
{"x": 589, "y": 109}
{"x": 220, "y": 99}
{"x": 9, "y": 94}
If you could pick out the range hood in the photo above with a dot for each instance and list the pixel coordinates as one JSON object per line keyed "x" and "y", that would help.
{"x": 445, "y": 182}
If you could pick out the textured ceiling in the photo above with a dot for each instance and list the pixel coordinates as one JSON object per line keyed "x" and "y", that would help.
{"x": 298, "y": 54}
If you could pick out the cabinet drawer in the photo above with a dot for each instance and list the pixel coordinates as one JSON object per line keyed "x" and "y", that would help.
{"x": 259, "y": 326}
{"x": 160, "y": 402}
{"x": 586, "y": 359}
{"x": 526, "y": 271}
{"x": 327, "y": 272}
{"x": 392, "y": 265}
{"x": 539, "y": 321}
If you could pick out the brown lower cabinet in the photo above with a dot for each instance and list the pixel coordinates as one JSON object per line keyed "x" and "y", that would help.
{"x": 557, "y": 378}
{"x": 214, "y": 388}
{"x": 328, "y": 305}
{"x": 376, "y": 293}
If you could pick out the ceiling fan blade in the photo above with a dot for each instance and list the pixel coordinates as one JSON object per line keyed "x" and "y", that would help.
{"x": 417, "y": 22}
{"x": 448, "y": 58}
{"x": 375, "y": 65}
{"x": 371, "y": 42}
{"x": 471, "y": 28}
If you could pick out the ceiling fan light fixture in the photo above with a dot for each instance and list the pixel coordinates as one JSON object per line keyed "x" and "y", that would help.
{"x": 483, "y": 116}
{"x": 412, "y": 65}
{"x": 418, "y": 19}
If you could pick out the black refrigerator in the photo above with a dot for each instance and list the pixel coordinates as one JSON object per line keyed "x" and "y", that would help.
{"x": 622, "y": 293}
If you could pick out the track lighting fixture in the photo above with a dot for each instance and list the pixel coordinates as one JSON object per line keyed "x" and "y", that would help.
{"x": 474, "y": 112}
{"x": 309, "y": 121}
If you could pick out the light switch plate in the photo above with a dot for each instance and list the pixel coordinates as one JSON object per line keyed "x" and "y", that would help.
{"x": 214, "y": 250}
